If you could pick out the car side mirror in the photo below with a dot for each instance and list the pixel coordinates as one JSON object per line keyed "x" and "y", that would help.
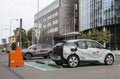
{"x": 74, "y": 49}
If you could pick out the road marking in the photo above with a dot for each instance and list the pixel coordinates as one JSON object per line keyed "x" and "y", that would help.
{"x": 46, "y": 67}
{"x": 34, "y": 66}
{"x": 43, "y": 67}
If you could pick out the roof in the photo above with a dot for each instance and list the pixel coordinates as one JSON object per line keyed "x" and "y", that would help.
{"x": 13, "y": 36}
{"x": 75, "y": 40}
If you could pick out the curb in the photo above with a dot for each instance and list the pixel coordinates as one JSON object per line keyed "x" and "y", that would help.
{"x": 117, "y": 52}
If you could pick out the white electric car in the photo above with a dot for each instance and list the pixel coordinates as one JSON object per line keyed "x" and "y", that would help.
{"x": 72, "y": 52}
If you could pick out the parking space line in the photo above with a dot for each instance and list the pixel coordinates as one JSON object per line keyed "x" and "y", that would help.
{"x": 34, "y": 66}
{"x": 46, "y": 67}
{"x": 43, "y": 67}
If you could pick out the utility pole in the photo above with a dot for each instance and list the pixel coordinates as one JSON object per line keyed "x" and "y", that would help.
{"x": 20, "y": 32}
{"x": 38, "y": 6}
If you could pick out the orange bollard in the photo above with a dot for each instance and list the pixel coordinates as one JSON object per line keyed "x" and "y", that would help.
{"x": 15, "y": 58}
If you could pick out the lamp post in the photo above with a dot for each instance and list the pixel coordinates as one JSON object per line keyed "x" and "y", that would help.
{"x": 10, "y": 30}
{"x": 38, "y": 6}
{"x": 37, "y": 30}
{"x": 11, "y": 24}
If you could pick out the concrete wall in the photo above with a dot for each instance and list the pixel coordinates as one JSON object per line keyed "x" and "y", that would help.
{"x": 66, "y": 15}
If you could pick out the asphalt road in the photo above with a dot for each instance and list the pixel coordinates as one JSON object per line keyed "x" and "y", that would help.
{"x": 86, "y": 72}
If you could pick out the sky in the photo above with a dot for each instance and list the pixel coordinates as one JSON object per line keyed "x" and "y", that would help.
{"x": 16, "y": 9}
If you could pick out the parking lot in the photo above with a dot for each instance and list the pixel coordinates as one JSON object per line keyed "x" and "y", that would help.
{"x": 49, "y": 65}
{"x": 40, "y": 68}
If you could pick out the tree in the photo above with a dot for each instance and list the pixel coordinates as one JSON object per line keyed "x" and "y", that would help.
{"x": 29, "y": 35}
{"x": 24, "y": 38}
{"x": 100, "y": 36}
{"x": 17, "y": 31}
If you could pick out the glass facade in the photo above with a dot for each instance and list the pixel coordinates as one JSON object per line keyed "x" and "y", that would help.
{"x": 96, "y": 13}
{"x": 101, "y": 14}
{"x": 84, "y": 14}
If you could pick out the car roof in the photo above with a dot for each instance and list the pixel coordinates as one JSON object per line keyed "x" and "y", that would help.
{"x": 75, "y": 40}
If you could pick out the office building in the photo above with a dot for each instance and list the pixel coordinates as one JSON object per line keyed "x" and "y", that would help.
{"x": 101, "y": 14}
{"x": 58, "y": 21}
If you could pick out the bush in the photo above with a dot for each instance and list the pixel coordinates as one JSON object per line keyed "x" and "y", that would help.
{"x": 13, "y": 46}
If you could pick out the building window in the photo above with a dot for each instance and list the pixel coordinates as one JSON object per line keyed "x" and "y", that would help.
{"x": 44, "y": 26}
{"x": 44, "y": 19}
{"x": 55, "y": 22}
{"x": 52, "y": 16}
{"x": 53, "y": 30}
{"x": 49, "y": 24}
{"x": 56, "y": 13}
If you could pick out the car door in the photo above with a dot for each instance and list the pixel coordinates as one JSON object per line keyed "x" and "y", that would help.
{"x": 45, "y": 49}
{"x": 82, "y": 50}
{"x": 38, "y": 49}
{"x": 95, "y": 50}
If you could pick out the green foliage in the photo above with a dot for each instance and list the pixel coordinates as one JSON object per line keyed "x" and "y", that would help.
{"x": 13, "y": 46}
{"x": 24, "y": 39}
{"x": 17, "y": 31}
{"x": 29, "y": 33}
{"x": 100, "y": 36}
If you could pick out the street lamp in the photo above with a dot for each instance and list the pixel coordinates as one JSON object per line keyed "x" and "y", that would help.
{"x": 11, "y": 24}
{"x": 38, "y": 6}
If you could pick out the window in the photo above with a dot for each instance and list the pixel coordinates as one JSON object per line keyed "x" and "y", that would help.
{"x": 44, "y": 46}
{"x": 82, "y": 45}
{"x": 55, "y": 22}
{"x": 44, "y": 19}
{"x": 70, "y": 44}
{"x": 38, "y": 47}
{"x": 53, "y": 30}
{"x": 49, "y": 24}
{"x": 44, "y": 26}
{"x": 93, "y": 44}
{"x": 56, "y": 14}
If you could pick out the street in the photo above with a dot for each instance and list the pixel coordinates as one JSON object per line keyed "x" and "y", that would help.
{"x": 82, "y": 72}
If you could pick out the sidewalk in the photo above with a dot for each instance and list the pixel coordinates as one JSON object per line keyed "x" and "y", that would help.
{"x": 117, "y": 52}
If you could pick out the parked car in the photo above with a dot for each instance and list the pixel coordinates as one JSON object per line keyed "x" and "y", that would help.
{"x": 3, "y": 50}
{"x": 36, "y": 51}
{"x": 72, "y": 52}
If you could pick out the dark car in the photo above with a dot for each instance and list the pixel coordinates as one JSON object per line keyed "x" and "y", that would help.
{"x": 37, "y": 50}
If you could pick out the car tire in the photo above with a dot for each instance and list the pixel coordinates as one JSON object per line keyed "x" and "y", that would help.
{"x": 50, "y": 54}
{"x": 58, "y": 63}
{"x": 73, "y": 61}
{"x": 109, "y": 59}
{"x": 28, "y": 56}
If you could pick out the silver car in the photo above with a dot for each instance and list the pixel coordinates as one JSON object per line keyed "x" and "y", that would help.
{"x": 73, "y": 52}
{"x": 37, "y": 50}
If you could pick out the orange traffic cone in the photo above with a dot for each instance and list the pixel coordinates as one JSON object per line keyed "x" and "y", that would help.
{"x": 15, "y": 58}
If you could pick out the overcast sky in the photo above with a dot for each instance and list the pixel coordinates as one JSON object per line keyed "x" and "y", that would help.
{"x": 15, "y": 9}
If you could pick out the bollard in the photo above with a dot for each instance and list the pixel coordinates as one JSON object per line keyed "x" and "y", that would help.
{"x": 15, "y": 58}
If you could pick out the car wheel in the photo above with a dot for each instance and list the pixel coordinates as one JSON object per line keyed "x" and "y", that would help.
{"x": 73, "y": 61}
{"x": 28, "y": 56}
{"x": 50, "y": 54}
{"x": 58, "y": 63}
{"x": 109, "y": 59}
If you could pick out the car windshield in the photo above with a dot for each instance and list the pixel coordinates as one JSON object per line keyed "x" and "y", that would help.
{"x": 31, "y": 47}
{"x": 59, "y": 44}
